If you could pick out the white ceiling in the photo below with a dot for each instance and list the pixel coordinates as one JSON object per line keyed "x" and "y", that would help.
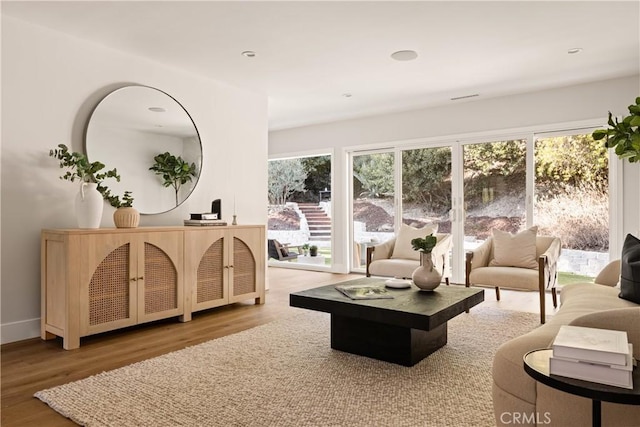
{"x": 311, "y": 53}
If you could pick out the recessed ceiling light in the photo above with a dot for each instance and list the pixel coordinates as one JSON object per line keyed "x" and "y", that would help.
{"x": 249, "y": 53}
{"x": 347, "y": 95}
{"x": 404, "y": 55}
{"x": 574, "y": 50}
{"x": 157, "y": 109}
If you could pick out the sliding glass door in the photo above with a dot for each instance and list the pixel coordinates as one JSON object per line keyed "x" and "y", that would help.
{"x": 373, "y": 203}
{"x": 572, "y": 200}
{"x": 300, "y": 210}
{"x": 559, "y": 182}
{"x": 426, "y": 187}
{"x": 494, "y": 186}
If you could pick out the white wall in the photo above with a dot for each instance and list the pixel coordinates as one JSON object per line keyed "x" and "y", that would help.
{"x": 50, "y": 84}
{"x": 540, "y": 111}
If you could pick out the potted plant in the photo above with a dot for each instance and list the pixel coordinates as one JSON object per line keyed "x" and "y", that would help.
{"x": 425, "y": 277}
{"x": 623, "y": 135}
{"x": 125, "y": 216}
{"x": 89, "y": 201}
{"x": 313, "y": 250}
{"x": 174, "y": 171}
{"x": 305, "y": 249}
{"x": 424, "y": 245}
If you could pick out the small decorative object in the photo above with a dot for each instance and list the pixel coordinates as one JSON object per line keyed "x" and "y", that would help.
{"x": 216, "y": 208}
{"x": 125, "y": 215}
{"x": 305, "y": 249}
{"x": 425, "y": 277}
{"x": 623, "y": 135}
{"x": 234, "y": 221}
{"x": 398, "y": 283}
{"x": 89, "y": 204}
{"x": 313, "y": 250}
{"x": 174, "y": 171}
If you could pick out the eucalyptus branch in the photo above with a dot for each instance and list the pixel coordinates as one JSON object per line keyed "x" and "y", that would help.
{"x": 78, "y": 167}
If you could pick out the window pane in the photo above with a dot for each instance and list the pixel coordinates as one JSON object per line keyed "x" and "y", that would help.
{"x": 494, "y": 189}
{"x": 572, "y": 201}
{"x": 426, "y": 187}
{"x": 300, "y": 208}
{"x": 373, "y": 202}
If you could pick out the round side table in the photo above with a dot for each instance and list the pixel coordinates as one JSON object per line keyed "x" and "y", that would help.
{"x": 536, "y": 364}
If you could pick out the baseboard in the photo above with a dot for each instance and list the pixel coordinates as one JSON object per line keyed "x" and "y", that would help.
{"x": 18, "y": 331}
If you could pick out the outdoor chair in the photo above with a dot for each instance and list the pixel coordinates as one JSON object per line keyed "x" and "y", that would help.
{"x": 523, "y": 261}
{"x": 280, "y": 251}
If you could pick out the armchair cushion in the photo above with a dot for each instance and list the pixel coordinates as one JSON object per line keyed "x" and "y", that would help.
{"x": 402, "y": 268}
{"x": 515, "y": 250}
{"x": 506, "y": 277}
{"x": 630, "y": 270}
{"x": 403, "y": 248}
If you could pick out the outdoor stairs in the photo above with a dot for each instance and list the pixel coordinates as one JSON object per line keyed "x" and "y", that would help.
{"x": 318, "y": 221}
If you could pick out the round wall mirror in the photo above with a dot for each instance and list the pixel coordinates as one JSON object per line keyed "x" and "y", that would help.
{"x": 129, "y": 129}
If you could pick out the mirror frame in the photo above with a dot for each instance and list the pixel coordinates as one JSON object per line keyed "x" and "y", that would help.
{"x": 95, "y": 120}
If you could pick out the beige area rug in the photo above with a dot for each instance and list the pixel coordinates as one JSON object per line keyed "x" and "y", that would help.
{"x": 285, "y": 374}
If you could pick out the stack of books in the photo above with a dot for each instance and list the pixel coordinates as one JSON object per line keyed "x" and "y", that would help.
{"x": 597, "y": 355}
{"x": 204, "y": 219}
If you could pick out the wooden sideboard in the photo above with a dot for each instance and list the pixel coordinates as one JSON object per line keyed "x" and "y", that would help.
{"x": 97, "y": 280}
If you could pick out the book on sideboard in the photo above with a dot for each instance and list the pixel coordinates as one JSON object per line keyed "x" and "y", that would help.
{"x": 603, "y": 346}
{"x": 204, "y": 222}
{"x": 614, "y": 375}
{"x": 204, "y": 216}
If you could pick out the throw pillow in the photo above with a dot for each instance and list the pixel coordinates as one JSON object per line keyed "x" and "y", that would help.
{"x": 630, "y": 269}
{"x": 402, "y": 248}
{"x": 515, "y": 250}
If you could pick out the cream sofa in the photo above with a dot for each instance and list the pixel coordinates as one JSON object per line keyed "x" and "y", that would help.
{"x": 380, "y": 261}
{"x": 517, "y": 397}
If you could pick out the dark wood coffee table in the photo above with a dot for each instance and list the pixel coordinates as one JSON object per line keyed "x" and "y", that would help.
{"x": 402, "y": 330}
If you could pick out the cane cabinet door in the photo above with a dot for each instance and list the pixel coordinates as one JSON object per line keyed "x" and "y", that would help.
{"x": 108, "y": 289}
{"x": 206, "y": 268}
{"x": 246, "y": 264}
{"x": 159, "y": 275}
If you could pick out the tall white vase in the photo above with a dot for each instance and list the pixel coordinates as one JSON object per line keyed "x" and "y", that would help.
{"x": 89, "y": 206}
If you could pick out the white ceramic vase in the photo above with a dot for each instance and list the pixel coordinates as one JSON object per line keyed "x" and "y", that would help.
{"x": 426, "y": 277}
{"x": 89, "y": 205}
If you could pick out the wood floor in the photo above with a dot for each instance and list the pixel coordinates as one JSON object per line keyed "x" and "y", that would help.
{"x": 32, "y": 365}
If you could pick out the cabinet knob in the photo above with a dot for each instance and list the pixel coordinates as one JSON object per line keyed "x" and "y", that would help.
{"x": 141, "y": 278}
{"x": 133, "y": 279}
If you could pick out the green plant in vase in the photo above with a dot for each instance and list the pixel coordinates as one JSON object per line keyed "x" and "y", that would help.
{"x": 305, "y": 249}
{"x": 80, "y": 168}
{"x": 174, "y": 171}
{"x": 90, "y": 174}
{"x": 425, "y": 244}
{"x": 425, "y": 277}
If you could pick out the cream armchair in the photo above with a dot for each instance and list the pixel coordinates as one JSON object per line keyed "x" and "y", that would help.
{"x": 479, "y": 270}
{"x": 380, "y": 260}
